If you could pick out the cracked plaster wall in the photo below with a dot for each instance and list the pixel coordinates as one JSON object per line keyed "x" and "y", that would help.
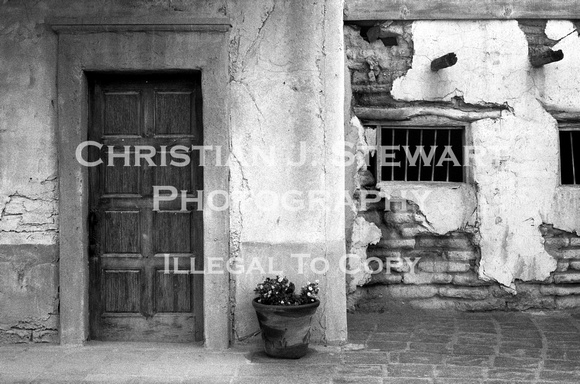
{"x": 28, "y": 166}
{"x": 516, "y": 158}
{"x": 28, "y": 206}
{"x": 286, "y": 81}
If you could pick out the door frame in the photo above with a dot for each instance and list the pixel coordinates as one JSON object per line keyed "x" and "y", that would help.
{"x": 122, "y": 45}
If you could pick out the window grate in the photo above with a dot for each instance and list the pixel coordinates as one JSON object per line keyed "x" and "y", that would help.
{"x": 418, "y": 153}
{"x": 570, "y": 154}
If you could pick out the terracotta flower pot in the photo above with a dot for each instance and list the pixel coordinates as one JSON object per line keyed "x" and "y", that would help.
{"x": 285, "y": 328}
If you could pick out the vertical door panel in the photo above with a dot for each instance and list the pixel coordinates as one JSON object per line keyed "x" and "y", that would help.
{"x": 132, "y": 295}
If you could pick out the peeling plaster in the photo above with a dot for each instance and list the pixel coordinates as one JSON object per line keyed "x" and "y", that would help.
{"x": 558, "y": 82}
{"x": 446, "y": 207}
{"x": 31, "y": 218}
{"x": 492, "y": 62}
{"x": 515, "y": 164}
{"x": 363, "y": 234}
{"x": 516, "y": 185}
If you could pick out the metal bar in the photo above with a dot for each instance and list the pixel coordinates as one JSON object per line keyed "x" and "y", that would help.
{"x": 433, "y": 165}
{"x": 573, "y": 165}
{"x": 420, "y": 157}
{"x": 378, "y": 146}
{"x": 407, "y": 160}
{"x": 449, "y": 145}
{"x": 392, "y": 162}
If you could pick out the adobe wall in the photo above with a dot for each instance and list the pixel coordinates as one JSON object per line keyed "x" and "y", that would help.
{"x": 507, "y": 238}
{"x": 284, "y": 90}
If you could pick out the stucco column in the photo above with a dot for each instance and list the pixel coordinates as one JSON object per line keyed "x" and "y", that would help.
{"x": 287, "y": 94}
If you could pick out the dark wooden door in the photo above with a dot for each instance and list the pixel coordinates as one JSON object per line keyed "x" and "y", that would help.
{"x": 132, "y": 297}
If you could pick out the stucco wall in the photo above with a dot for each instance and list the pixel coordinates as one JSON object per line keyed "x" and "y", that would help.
{"x": 514, "y": 176}
{"x": 518, "y": 176}
{"x": 286, "y": 79}
{"x": 28, "y": 206}
{"x": 286, "y": 88}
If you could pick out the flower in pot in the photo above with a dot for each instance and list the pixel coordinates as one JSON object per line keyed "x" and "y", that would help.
{"x": 285, "y": 316}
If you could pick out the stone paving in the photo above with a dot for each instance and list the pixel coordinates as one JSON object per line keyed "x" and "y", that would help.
{"x": 406, "y": 346}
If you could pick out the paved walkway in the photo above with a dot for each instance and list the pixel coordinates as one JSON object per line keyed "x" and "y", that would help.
{"x": 404, "y": 346}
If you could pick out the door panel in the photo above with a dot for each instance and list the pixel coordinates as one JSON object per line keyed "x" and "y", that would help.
{"x": 122, "y": 112}
{"x": 132, "y": 297}
{"x": 175, "y": 113}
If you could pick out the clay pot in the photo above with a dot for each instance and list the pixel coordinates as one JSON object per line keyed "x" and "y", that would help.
{"x": 285, "y": 328}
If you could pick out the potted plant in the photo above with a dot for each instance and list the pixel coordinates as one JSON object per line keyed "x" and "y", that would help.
{"x": 285, "y": 316}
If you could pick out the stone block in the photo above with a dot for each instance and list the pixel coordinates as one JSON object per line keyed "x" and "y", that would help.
{"x": 386, "y": 278}
{"x": 372, "y": 217}
{"x": 398, "y": 206}
{"x": 443, "y": 266}
{"x": 412, "y": 231}
{"x": 562, "y": 265}
{"x": 423, "y": 253}
{"x": 526, "y": 288}
{"x": 427, "y": 278}
{"x": 567, "y": 253}
{"x": 469, "y": 279}
{"x": 567, "y": 302}
{"x": 20, "y": 335}
{"x": 460, "y": 255}
{"x": 412, "y": 291}
{"x": 489, "y": 304}
{"x": 382, "y": 253}
{"x": 557, "y": 242}
{"x": 575, "y": 241}
{"x": 434, "y": 303}
{"x": 366, "y": 178}
{"x": 394, "y": 244}
{"x": 378, "y": 206}
{"x": 566, "y": 277}
{"x": 528, "y": 296}
{"x": 474, "y": 293}
{"x": 443, "y": 242}
{"x": 559, "y": 290}
{"x": 397, "y": 264}
{"x": 45, "y": 336}
{"x": 359, "y": 77}
{"x": 7, "y": 337}
{"x": 388, "y": 233}
{"x": 399, "y": 217}
{"x": 574, "y": 264}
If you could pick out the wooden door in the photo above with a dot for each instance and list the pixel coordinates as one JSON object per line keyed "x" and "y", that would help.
{"x": 132, "y": 297}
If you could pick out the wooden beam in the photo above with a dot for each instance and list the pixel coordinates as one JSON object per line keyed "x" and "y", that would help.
{"x": 410, "y": 112}
{"x": 444, "y": 61}
{"x": 545, "y": 56}
{"x": 460, "y": 9}
{"x": 567, "y": 116}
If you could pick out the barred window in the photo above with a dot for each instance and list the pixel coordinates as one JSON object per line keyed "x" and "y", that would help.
{"x": 420, "y": 153}
{"x": 570, "y": 153}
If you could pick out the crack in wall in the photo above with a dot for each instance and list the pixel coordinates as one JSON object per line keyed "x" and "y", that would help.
{"x": 458, "y": 88}
{"x": 258, "y": 36}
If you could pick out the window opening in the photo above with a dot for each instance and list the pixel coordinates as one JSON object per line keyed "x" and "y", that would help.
{"x": 420, "y": 153}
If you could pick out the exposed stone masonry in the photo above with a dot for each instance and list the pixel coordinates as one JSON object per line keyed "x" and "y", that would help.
{"x": 375, "y": 66}
{"x": 445, "y": 266}
{"x": 445, "y": 274}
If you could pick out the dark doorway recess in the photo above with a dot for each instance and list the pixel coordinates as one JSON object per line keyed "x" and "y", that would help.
{"x": 133, "y": 296}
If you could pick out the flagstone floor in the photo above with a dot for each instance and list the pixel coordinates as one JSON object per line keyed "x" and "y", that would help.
{"x": 407, "y": 346}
